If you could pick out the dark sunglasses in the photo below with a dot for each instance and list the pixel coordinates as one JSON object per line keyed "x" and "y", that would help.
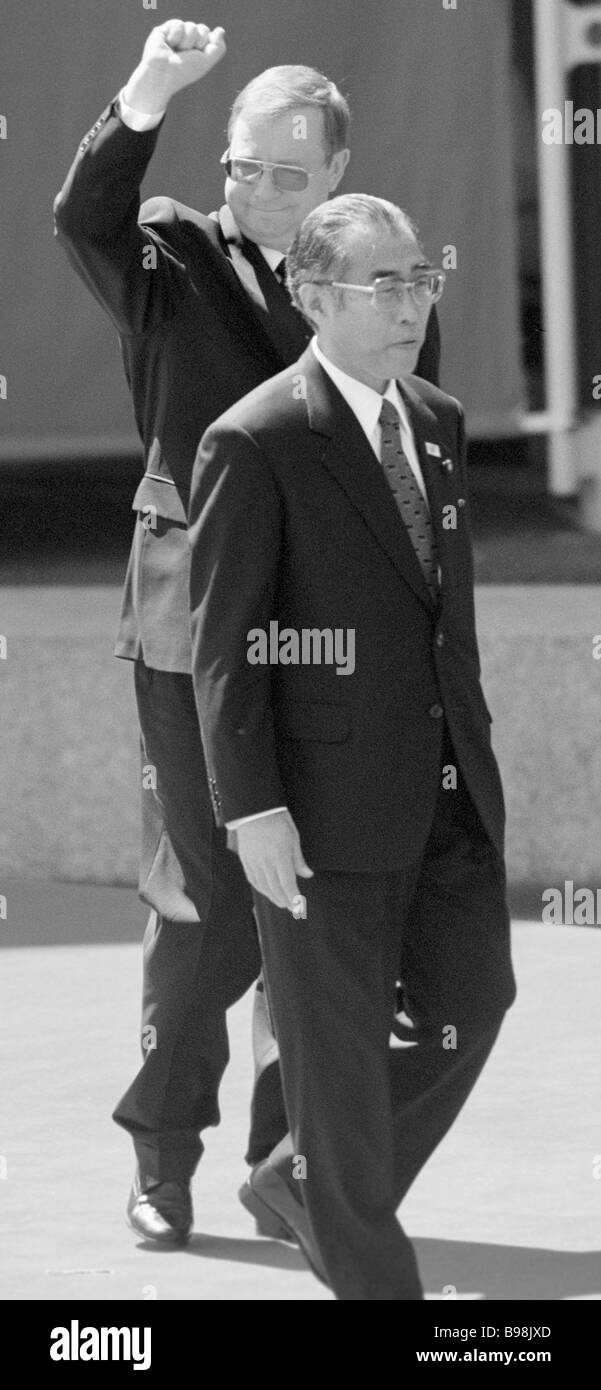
{"x": 290, "y": 177}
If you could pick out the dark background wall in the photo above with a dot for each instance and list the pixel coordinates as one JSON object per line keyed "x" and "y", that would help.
{"x": 430, "y": 91}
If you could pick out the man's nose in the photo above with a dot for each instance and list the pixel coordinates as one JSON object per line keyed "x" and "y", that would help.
{"x": 265, "y": 186}
{"x": 405, "y": 307}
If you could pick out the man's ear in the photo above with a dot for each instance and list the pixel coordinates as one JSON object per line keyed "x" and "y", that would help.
{"x": 337, "y": 167}
{"x": 311, "y": 298}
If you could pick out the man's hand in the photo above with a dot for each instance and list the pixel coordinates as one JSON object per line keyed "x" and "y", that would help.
{"x": 175, "y": 55}
{"x": 271, "y": 856}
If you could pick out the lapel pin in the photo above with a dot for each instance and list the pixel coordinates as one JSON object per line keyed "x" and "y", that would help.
{"x": 433, "y": 450}
{"x": 447, "y": 464}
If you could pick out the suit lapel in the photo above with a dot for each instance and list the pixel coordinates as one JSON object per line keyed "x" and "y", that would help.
{"x": 265, "y": 301}
{"x": 348, "y": 456}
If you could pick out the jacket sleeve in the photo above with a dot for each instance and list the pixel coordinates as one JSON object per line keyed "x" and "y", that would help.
{"x": 428, "y": 362}
{"x": 135, "y": 271}
{"x": 235, "y": 530}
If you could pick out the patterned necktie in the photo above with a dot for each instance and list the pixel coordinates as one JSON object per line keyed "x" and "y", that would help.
{"x": 408, "y": 496}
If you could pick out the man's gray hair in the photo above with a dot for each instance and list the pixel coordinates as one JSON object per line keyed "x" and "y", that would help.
{"x": 320, "y": 249}
{"x": 284, "y": 88}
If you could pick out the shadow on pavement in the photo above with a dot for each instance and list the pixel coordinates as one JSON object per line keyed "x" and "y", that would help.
{"x": 487, "y": 1272}
{"x": 508, "y": 1272}
{"x": 273, "y": 1254}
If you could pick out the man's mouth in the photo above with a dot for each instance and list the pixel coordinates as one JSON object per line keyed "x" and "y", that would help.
{"x": 266, "y": 212}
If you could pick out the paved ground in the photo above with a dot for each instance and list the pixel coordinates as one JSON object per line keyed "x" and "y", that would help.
{"x": 508, "y": 1208}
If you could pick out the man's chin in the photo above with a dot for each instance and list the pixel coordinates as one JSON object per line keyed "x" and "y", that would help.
{"x": 266, "y": 229}
{"x": 403, "y": 360}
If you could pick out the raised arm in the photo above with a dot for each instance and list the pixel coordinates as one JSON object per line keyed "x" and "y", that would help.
{"x": 133, "y": 270}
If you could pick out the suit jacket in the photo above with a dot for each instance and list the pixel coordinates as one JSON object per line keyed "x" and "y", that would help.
{"x": 193, "y": 342}
{"x": 292, "y": 521}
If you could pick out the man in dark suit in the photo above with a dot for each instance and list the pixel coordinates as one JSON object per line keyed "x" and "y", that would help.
{"x": 347, "y": 740}
{"x": 203, "y": 317}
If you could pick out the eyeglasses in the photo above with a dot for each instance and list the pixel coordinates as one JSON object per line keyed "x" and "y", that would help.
{"x": 290, "y": 177}
{"x": 387, "y": 292}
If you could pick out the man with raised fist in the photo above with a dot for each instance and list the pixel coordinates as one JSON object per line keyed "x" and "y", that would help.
{"x": 203, "y": 316}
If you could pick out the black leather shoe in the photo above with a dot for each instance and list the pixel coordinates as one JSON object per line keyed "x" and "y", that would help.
{"x": 160, "y": 1211}
{"x": 269, "y": 1199}
{"x": 267, "y": 1223}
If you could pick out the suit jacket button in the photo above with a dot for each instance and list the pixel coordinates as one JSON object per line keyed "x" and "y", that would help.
{"x": 436, "y": 711}
{"x": 440, "y": 639}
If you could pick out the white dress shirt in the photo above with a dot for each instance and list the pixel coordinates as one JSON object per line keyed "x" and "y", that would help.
{"x": 366, "y": 404}
{"x": 137, "y": 120}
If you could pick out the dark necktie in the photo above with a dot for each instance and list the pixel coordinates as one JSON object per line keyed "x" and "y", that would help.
{"x": 408, "y": 496}
{"x": 280, "y": 271}
{"x": 285, "y": 325}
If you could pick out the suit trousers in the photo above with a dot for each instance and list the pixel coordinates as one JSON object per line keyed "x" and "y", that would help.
{"x": 201, "y": 951}
{"x": 364, "y": 1116}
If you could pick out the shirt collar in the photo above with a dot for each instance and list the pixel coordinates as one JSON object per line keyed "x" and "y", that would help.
{"x": 363, "y": 400}
{"x": 272, "y": 257}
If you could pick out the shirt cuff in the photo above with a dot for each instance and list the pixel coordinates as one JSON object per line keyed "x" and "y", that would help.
{"x": 233, "y": 824}
{"x": 137, "y": 120}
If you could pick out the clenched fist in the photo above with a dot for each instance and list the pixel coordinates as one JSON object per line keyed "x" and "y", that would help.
{"x": 175, "y": 55}
{"x": 182, "y": 52}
